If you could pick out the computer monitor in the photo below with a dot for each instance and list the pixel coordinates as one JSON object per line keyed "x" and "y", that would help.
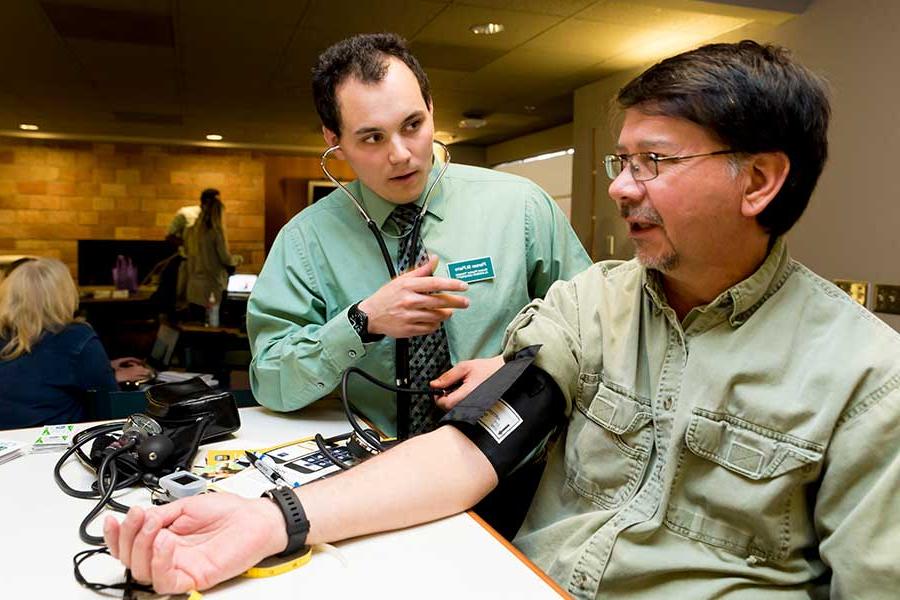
{"x": 240, "y": 285}
{"x": 96, "y": 258}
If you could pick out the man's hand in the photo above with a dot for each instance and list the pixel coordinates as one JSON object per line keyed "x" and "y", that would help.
{"x": 412, "y": 304}
{"x": 469, "y": 374}
{"x": 130, "y": 368}
{"x": 197, "y": 542}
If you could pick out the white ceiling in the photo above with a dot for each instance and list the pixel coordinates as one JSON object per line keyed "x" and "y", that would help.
{"x": 178, "y": 69}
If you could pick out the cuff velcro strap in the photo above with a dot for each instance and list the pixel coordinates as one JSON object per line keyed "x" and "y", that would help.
{"x": 512, "y": 413}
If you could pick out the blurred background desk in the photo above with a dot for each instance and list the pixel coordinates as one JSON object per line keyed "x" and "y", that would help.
{"x": 222, "y": 351}
{"x": 452, "y": 558}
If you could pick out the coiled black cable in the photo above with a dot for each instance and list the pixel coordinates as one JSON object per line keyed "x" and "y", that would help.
{"x": 322, "y": 444}
{"x": 351, "y": 415}
{"x": 129, "y": 585}
{"x": 78, "y": 441}
{"x": 108, "y": 465}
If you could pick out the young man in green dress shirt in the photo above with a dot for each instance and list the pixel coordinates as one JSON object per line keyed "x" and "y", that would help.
{"x": 732, "y": 417}
{"x": 374, "y": 100}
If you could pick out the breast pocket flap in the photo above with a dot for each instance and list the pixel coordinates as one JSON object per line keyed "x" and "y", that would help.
{"x": 617, "y": 412}
{"x": 748, "y": 450}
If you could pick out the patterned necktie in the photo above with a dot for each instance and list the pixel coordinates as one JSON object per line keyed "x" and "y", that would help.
{"x": 429, "y": 355}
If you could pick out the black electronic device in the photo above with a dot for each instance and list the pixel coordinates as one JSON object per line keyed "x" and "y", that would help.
{"x": 148, "y": 446}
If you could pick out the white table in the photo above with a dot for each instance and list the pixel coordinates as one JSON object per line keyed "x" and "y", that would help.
{"x": 455, "y": 557}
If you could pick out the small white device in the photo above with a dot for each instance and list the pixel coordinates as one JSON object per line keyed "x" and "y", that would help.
{"x": 182, "y": 484}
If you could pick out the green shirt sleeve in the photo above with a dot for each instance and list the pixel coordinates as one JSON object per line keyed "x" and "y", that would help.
{"x": 298, "y": 352}
{"x": 554, "y": 251}
{"x": 553, "y": 323}
{"x": 857, "y": 505}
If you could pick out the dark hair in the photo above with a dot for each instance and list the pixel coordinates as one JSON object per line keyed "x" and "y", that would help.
{"x": 362, "y": 56}
{"x": 5, "y": 270}
{"x": 754, "y": 98}
{"x": 208, "y": 194}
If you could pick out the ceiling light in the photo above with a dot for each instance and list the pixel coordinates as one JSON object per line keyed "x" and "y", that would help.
{"x": 487, "y": 28}
{"x": 213, "y": 137}
{"x": 28, "y": 127}
{"x": 444, "y": 136}
{"x": 472, "y": 123}
{"x": 557, "y": 154}
{"x": 545, "y": 156}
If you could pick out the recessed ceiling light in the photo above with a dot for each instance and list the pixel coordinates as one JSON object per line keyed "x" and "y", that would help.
{"x": 213, "y": 137}
{"x": 487, "y": 28}
{"x": 472, "y": 123}
{"x": 444, "y": 136}
{"x": 530, "y": 107}
{"x": 28, "y": 127}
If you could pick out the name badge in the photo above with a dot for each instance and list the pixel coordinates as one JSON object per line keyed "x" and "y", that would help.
{"x": 472, "y": 270}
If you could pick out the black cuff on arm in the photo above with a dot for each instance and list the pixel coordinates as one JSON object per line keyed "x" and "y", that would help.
{"x": 512, "y": 413}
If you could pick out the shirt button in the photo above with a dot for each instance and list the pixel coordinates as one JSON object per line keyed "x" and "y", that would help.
{"x": 352, "y": 354}
{"x": 754, "y": 560}
{"x": 320, "y": 385}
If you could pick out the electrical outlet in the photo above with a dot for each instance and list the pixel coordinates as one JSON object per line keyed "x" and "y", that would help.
{"x": 887, "y": 298}
{"x": 855, "y": 289}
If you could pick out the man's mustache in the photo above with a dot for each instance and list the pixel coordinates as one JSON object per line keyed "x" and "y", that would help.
{"x": 644, "y": 214}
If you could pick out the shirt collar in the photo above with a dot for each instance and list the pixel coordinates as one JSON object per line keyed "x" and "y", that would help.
{"x": 743, "y": 298}
{"x": 380, "y": 209}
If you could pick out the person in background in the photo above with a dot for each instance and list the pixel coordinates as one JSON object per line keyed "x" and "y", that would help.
{"x": 173, "y": 281}
{"x": 208, "y": 260}
{"x": 48, "y": 359}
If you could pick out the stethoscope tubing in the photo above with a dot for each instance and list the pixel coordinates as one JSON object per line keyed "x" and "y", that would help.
{"x": 401, "y": 347}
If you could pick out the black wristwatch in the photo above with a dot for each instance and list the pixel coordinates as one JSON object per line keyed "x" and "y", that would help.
{"x": 294, "y": 517}
{"x": 360, "y": 323}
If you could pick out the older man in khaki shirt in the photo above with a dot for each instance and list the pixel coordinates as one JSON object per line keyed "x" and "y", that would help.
{"x": 732, "y": 416}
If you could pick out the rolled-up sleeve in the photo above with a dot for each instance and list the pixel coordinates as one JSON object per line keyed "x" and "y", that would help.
{"x": 552, "y": 323}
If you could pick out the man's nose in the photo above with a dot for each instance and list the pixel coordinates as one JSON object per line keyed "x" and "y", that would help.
{"x": 625, "y": 190}
{"x": 398, "y": 152}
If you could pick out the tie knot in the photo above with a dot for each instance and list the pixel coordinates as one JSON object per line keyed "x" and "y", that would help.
{"x": 404, "y": 215}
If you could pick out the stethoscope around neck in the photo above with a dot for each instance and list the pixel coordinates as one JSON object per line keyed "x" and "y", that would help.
{"x": 370, "y": 223}
{"x": 401, "y": 354}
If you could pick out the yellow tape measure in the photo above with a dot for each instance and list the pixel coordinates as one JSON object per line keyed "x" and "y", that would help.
{"x": 276, "y": 566}
{"x": 269, "y": 567}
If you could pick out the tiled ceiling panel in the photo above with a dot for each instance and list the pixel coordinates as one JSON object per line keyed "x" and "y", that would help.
{"x": 452, "y": 27}
{"x": 556, "y": 8}
{"x": 346, "y": 17}
{"x": 178, "y": 69}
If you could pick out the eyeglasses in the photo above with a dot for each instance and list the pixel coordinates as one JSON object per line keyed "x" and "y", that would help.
{"x": 644, "y": 166}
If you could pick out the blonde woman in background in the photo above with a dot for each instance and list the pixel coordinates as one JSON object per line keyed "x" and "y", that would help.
{"x": 208, "y": 259}
{"x": 48, "y": 358}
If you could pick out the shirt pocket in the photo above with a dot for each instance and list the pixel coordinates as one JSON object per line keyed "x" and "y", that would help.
{"x": 608, "y": 443}
{"x": 741, "y": 487}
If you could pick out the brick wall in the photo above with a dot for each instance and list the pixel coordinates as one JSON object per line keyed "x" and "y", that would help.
{"x": 54, "y": 193}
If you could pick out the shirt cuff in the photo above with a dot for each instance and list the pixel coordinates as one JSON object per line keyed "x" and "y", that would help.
{"x": 344, "y": 346}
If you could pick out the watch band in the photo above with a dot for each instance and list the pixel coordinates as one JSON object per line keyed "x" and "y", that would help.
{"x": 360, "y": 323}
{"x": 294, "y": 517}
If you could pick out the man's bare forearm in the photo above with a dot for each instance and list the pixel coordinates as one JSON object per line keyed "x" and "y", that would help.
{"x": 425, "y": 478}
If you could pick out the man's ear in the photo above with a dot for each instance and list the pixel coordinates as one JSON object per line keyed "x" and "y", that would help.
{"x": 766, "y": 173}
{"x": 332, "y": 139}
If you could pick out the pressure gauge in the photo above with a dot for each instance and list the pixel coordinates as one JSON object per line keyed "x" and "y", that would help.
{"x": 141, "y": 424}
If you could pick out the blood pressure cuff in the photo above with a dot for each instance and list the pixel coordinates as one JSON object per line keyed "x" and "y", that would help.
{"x": 512, "y": 413}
